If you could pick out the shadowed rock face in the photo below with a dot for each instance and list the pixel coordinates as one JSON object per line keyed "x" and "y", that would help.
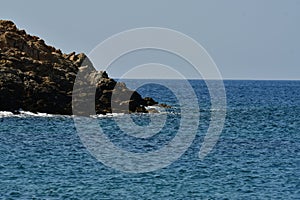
{"x": 39, "y": 78}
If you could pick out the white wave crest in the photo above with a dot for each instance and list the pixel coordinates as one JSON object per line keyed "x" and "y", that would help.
{"x": 155, "y": 109}
{"x": 23, "y": 114}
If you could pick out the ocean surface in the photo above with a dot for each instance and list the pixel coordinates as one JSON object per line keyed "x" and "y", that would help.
{"x": 256, "y": 157}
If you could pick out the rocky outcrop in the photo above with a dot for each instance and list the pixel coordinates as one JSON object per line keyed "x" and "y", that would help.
{"x": 39, "y": 78}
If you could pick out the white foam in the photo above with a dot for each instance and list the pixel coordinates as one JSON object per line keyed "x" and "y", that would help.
{"x": 23, "y": 114}
{"x": 5, "y": 114}
{"x": 107, "y": 115}
{"x": 27, "y": 113}
{"x": 159, "y": 109}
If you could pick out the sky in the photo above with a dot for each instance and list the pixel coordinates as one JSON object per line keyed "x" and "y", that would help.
{"x": 247, "y": 39}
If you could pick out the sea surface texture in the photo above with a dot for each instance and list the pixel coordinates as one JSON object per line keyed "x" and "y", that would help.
{"x": 256, "y": 157}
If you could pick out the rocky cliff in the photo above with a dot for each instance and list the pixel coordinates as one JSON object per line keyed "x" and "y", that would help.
{"x": 39, "y": 78}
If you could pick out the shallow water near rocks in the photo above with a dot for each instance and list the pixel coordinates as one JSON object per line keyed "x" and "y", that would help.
{"x": 256, "y": 157}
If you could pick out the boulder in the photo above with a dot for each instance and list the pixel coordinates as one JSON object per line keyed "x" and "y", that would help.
{"x": 39, "y": 78}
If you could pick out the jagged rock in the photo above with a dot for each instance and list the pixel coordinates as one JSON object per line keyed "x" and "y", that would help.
{"x": 150, "y": 101}
{"x": 39, "y": 78}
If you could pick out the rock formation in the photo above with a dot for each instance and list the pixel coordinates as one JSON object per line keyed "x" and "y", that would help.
{"x": 39, "y": 78}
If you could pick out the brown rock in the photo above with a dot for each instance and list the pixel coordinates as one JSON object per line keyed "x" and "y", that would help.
{"x": 39, "y": 78}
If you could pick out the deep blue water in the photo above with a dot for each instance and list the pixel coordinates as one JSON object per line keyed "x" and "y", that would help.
{"x": 256, "y": 157}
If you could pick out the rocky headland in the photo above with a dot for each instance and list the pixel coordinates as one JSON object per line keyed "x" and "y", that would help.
{"x": 37, "y": 77}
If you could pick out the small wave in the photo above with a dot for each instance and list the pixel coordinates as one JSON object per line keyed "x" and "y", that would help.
{"x": 23, "y": 114}
{"x": 27, "y": 113}
{"x": 6, "y": 114}
{"x": 107, "y": 115}
{"x": 155, "y": 109}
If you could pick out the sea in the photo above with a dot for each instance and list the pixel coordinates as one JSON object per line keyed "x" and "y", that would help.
{"x": 256, "y": 155}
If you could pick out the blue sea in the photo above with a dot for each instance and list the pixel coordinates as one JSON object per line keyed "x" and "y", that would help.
{"x": 257, "y": 155}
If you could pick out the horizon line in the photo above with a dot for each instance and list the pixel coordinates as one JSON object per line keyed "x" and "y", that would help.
{"x": 225, "y": 79}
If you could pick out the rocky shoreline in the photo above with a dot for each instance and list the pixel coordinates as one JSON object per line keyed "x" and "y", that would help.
{"x": 39, "y": 78}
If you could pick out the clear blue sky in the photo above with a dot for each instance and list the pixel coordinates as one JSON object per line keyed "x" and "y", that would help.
{"x": 248, "y": 39}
